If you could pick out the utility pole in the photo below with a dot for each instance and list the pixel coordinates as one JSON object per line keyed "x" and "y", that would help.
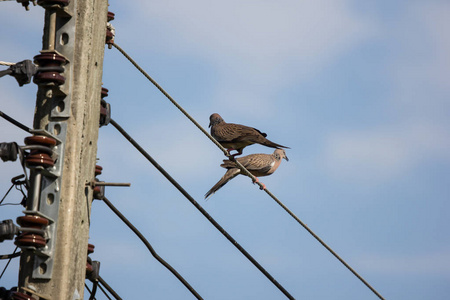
{"x": 66, "y": 121}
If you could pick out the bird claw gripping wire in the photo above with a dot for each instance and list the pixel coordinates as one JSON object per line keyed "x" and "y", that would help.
{"x": 262, "y": 186}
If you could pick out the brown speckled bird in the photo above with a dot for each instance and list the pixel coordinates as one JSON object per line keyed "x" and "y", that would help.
{"x": 237, "y": 137}
{"x": 257, "y": 164}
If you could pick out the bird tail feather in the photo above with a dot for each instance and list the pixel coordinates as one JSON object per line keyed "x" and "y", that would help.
{"x": 273, "y": 145}
{"x": 230, "y": 174}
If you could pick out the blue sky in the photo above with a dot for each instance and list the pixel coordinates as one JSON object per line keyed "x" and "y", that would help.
{"x": 359, "y": 90}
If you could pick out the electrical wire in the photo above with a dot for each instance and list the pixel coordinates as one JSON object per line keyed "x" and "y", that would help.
{"x": 10, "y": 258}
{"x": 150, "y": 248}
{"x": 248, "y": 173}
{"x": 18, "y": 184}
{"x": 104, "y": 292}
{"x": 201, "y": 209}
{"x": 15, "y": 183}
{"x": 110, "y": 289}
{"x": 21, "y": 152}
{"x": 5, "y": 63}
{"x": 4, "y": 197}
{"x": 90, "y": 292}
{"x": 94, "y": 290}
{"x": 17, "y": 123}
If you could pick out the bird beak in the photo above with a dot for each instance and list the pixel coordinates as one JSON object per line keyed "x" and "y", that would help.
{"x": 286, "y": 158}
{"x": 209, "y": 125}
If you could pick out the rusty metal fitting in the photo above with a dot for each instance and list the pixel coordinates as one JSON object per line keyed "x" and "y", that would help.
{"x": 48, "y": 3}
{"x": 89, "y": 268}
{"x": 92, "y": 270}
{"x": 98, "y": 192}
{"x": 47, "y": 75}
{"x": 110, "y": 31}
{"x": 105, "y": 113}
{"x": 31, "y": 238}
{"x": 105, "y": 108}
{"x": 40, "y": 157}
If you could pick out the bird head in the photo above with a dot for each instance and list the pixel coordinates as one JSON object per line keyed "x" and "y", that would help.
{"x": 215, "y": 119}
{"x": 280, "y": 154}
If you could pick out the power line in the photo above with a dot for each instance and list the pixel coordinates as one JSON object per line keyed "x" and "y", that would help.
{"x": 110, "y": 289}
{"x": 1, "y": 201}
{"x": 11, "y": 256}
{"x": 104, "y": 292}
{"x": 150, "y": 248}
{"x": 5, "y": 63}
{"x": 247, "y": 172}
{"x": 90, "y": 292}
{"x": 15, "y": 122}
{"x": 201, "y": 209}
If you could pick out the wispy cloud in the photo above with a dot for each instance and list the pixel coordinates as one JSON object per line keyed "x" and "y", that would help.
{"x": 415, "y": 127}
{"x": 259, "y": 46}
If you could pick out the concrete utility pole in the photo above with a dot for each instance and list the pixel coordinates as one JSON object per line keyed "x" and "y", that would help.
{"x": 67, "y": 108}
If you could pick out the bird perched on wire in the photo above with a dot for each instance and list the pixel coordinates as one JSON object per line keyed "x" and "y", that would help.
{"x": 257, "y": 164}
{"x": 237, "y": 137}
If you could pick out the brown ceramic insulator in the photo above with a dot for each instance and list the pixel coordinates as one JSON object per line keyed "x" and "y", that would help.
{"x": 98, "y": 170}
{"x": 21, "y": 296}
{"x": 47, "y": 3}
{"x": 90, "y": 248}
{"x": 39, "y": 157}
{"x": 49, "y": 59}
{"x": 109, "y": 37}
{"x": 104, "y": 92}
{"x": 32, "y": 221}
{"x": 35, "y": 159}
{"x": 111, "y": 16}
{"x": 40, "y": 140}
{"x": 31, "y": 238}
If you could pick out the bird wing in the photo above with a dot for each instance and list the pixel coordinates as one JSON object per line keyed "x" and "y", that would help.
{"x": 258, "y": 164}
{"x": 229, "y": 132}
{"x": 255, "y": 163}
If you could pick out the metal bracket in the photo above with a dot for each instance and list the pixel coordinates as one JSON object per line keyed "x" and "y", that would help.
{"x": 65, "y": 45}
{"x": 48, "y": 198}
{"x": 50, "y": 179}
